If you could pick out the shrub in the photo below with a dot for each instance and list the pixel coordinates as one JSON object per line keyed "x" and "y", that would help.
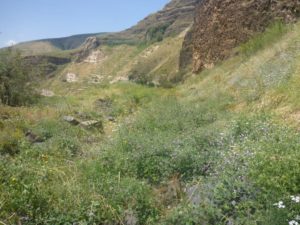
{"x": 16, "y": 87}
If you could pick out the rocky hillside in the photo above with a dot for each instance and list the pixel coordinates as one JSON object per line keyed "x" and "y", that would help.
{"x": 174, "y": 18}
{"x": 221, "y": 25}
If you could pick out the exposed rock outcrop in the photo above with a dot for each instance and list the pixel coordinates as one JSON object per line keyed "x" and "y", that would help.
{"x": 87, "y": 48}
{"x": 95, "y": 56}
{"x": 71, "y": 78}
{"x": 46, "y": 64}
{"x": 47, "y": 93}
{"x": 221, "y": 25}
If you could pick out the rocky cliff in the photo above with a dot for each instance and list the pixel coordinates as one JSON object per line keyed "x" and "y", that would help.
{"x": 174, "y": 18}
{"x": 90, "y": 44}
{"x": 221, "y": 25}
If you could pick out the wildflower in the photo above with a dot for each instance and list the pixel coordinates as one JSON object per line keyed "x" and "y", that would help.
{"x": 293, "y": 222}
{"x": 295, "y": 198}
{"x": 280, "y": 205}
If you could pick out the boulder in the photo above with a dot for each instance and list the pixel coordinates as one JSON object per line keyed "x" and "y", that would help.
{"x": 92, "y": 124}
{"x": 130, "y": 218}
{"x": 47, "y": 93}
{"x": 88, "y": 48}
{"x": 71, "y": 120}
{"x": 71, "y": 78}
{"x": 33, "y": 138}
{"x": 193, "y": 193}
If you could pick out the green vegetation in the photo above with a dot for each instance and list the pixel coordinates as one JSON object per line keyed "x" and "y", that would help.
{"x": 156, "y": 34}
{"x": 262, "y": 40}
{"x": 222, "y": 148}
{"x": 15, "y": 79}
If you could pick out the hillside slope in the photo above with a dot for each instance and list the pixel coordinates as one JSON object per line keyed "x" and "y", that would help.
{"x": 174, "y": 18}
{"x": 222, "y": 148}
{"x": 45, "y": 46}
{"x": 221, "y": 26}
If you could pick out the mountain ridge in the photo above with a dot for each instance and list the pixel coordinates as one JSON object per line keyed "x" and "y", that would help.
{"x": 174, "y": 18}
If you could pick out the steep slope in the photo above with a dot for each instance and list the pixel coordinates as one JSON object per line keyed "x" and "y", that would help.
{"x": 221, "y": 26}
{"x": 174, "y": 18}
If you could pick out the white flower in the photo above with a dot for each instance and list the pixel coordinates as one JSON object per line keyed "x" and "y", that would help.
{"x": 295, "y": 198}
{"x": 293, "y": 222}
{"x": 280, "y": 205}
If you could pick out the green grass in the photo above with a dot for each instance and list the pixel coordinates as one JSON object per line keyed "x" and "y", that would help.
{"x": 263, "y": 40}
{"x": 220, "y": 134}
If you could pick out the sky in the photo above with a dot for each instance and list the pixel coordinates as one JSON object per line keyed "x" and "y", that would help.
{"x": 24, "y": 20}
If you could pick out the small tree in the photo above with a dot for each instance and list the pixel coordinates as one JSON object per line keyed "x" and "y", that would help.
{"x": 16, "y": 79}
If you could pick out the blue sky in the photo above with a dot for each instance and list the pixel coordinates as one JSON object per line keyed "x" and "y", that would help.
{"x": 23, "y": 20}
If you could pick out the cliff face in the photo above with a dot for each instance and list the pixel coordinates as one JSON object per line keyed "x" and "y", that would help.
{"x": 174, "y": 18}
{"x": 90, "y": 44}
{"x": 221, "y": 25}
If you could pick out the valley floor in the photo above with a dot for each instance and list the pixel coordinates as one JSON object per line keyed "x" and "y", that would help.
{"x": 221, "y": 148}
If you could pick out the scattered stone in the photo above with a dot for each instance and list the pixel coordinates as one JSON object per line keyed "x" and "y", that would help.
{"x": 92, "y": 124}
{"x": 103, "y": 103}
{"x": 96, "y": 79}
{"x": 130, "y": 218}
{"x": 119, "y": 79}
{"x": 33, "y": 138}
{"x": 47, "y": 93}
{"x": 193, "y": 194}
{"x": 111, "y": 119}
{"x": 71, "y": 78}
{"x": 171, "y": 192}
{"x": 71, "y": 120}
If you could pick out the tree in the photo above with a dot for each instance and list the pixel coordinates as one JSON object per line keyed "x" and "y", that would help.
{"x": 16, "y": 79}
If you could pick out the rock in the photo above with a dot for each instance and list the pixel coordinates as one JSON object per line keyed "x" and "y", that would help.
{"x": 104, "y": 103}
{"x": 130, "y": 218}
{"x": 88, "y": 48}
{"x": 111, "y": 119}
{"x": 71, "y": 120}
{"x": 220, "y": 26}
{"x": 47, "y": 93}
{"x": 171, "y": 192}
{"x": 71, "y": 78}
{"x": 119, "y": 79}
{"x": 90, "y": 124}
{"x": 96, "y": 79}
{"x": 33, "y": 138}
{"x": 193, "y": 194}
{"x": 95, "y": 57}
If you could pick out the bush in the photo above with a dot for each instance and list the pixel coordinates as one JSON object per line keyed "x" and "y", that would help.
{"x": 10, "y": 141}
{"x": 16, "y": 86}
{"x": 156, "y": 34}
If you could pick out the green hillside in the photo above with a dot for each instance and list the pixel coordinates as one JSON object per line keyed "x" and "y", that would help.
{"x": 45, "y": 46}
{"x": 220, "y": 148}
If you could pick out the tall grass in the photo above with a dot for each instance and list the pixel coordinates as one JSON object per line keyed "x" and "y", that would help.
{"x": 263, "y": 40}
